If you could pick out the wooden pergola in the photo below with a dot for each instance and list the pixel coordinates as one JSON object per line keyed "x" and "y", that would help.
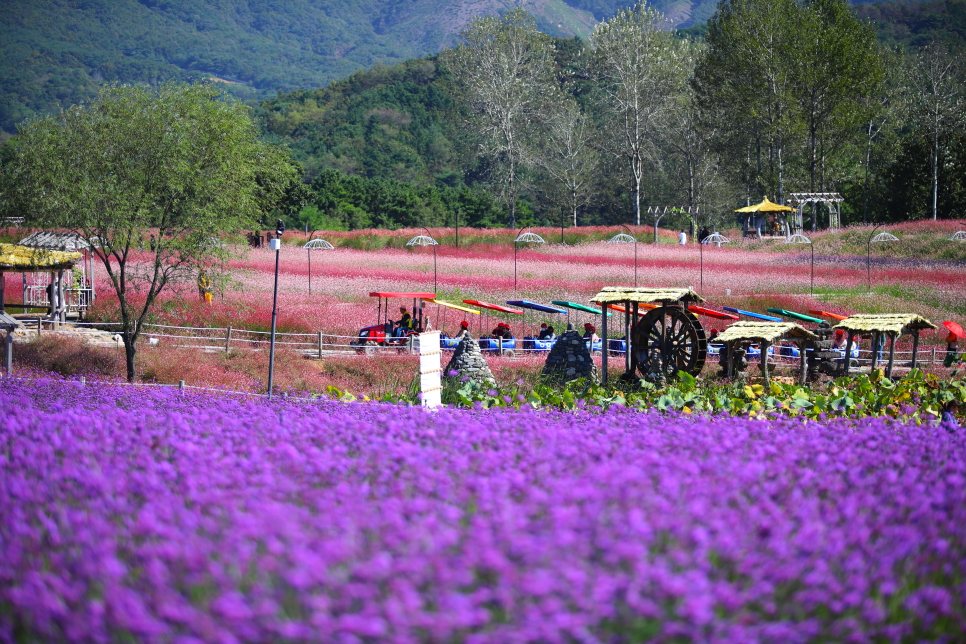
{"x": 893, "y": 325}
{"x": 832, "y": 200}
{"x": 766, "y": 334}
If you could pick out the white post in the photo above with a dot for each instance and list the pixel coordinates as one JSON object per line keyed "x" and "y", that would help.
{"x": 430, "y": 369}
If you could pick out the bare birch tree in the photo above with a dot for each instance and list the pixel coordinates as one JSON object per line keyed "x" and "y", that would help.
{"x": 568, "y": 156}
{"x": 504, "y": 72}
{"x": 938, "y": 86}
{"x": 636, "y": 62}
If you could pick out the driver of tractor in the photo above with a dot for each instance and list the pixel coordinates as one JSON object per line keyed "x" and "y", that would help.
{"x": 405, "y": 322}
{"x": 502, "y": 330}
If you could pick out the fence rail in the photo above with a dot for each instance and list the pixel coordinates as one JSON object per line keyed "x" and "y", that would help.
{"x": 327, "y": 344}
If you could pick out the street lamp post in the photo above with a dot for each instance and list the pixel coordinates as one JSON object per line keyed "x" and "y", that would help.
{"x": 523, "y": 237}
{"x": 426, "y": 240}
{"x": 715, "y": 238}
{"x": 276, "y": 245}
{"x": 881, "y": 237}
{"x": 799, "y": 238}
{"x": 315, "y": 244}
{"x": 627, "y": 238}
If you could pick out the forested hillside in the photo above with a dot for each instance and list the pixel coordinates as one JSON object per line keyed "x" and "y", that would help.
{"x": 880, "y": 133}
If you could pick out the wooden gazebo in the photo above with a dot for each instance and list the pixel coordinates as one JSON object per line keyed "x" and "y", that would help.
{"x": 892, "y": 325}
{"x": 21, "y": 259}
{"x": 766, "y": 334}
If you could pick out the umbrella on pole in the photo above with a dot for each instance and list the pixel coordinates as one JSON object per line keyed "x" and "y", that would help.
{"x": 526, "y": 238}
{"x": 426, "y": 240}
{"x": 881, "y": 237}
{"x": 798, "y": 238}
{"x": 315, "y": 244}
{"x": 626, "y": 238}
{"x": 715, "y": 238}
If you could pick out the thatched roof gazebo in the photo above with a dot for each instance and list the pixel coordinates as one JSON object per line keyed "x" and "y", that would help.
{"x": 668, "y": 333}
{"x": 766, "y": 334}
{"x": 892, "y": 325}
{"x": 22, "y": 259}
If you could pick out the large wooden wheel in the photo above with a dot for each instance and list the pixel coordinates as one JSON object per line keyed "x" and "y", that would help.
{"x": 671, "y": 337}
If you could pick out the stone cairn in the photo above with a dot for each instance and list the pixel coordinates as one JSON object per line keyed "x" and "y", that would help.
{"x": 570, "y": 359}
{"x": 468, "y": 362}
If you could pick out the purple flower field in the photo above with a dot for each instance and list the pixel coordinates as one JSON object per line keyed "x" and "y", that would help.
{"x": 135, "y": 514}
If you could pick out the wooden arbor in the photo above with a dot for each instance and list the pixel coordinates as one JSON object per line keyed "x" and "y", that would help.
{"x": 831, "y": 199}
{"x": 892, "y": 325}
{"x": 766, "y": 334}
{"x": 668, "y": 338}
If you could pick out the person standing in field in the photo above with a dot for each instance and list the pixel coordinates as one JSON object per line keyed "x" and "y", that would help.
{"x": 952, "y": 350}
{"x": 682, "y": 238}
{"x": 204, "y": 286}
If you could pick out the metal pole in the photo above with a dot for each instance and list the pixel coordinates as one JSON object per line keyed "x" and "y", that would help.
{"x": 457, "y": 227}
{"x": 271, "y": 347}
{"x": 701, "y": 253}
{"x": 514, "y": 264}
{"x": 10, "y": 352}
{"x": 310, "y": 269}
{"x": 811, "y": 285}
{"x": 434, "y": 268}
{"x": 868, "y": 258}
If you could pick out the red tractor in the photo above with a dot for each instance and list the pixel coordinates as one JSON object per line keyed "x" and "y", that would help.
{"x": 399, "y": 333}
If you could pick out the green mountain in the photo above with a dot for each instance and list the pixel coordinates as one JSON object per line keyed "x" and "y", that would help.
{"x": 53, "y": 53}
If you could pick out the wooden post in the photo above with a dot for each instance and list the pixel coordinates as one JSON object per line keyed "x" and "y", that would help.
{"x": 627, "y": 338}
{"x": 40, "y": 326}
{"x": 848, "y": 352}
{"x": 875, "y": 350}
{"x": 181, "y": 385}
{"x": 803, "y": 363}
{"x": 933, "y": 361}
{"x": 228, "y": 340}
{"x": 603, "y": 354}
{"x": 764, "y": 361}
{"x": 915, "y": 347}
{"x": 320, "y": 344}
{"x": 892, "y": 355}
{"x": 9, "y": 352}
{"x": 730, "y": 347}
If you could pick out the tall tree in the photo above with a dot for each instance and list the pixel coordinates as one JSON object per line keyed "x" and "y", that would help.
{"x": 567, "y": 155}
{"x": 690, "y": 162}
{"x": 835, "y": 66}
{"x": 743, "y": 82}
{"x": 636, "y": 66}
{"x": 504, "y": 73}
{"x": 177, "y": 162}
{"x": 937, "y": 77}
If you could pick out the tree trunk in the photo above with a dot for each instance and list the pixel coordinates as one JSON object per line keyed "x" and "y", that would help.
{"x": 130, "y": 348}
{"x": 935, "y": 170}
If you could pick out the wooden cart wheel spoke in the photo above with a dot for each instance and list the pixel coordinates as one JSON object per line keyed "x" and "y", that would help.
{"x": 682, "y": 348}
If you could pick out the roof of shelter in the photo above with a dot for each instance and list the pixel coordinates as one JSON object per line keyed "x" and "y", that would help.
{"x": 8, "y": 323}
{"x": 892, "y": 322}
{"x": 69, "y": 242}
{"x": 765, "y": 332}
{"x": 21, "y": 259}
{"x": 645, "y": 294}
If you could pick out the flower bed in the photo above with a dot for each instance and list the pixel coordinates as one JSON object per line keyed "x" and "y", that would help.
{"x": 135, "y": 514}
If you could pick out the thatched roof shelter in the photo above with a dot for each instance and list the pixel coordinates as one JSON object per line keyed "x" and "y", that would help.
{"x": 67, "y": 242}
{"x": 765, "y": 332}
{"x": 646, "y": 295}
{"x": 892, "y": 325}
{"x": 21, "y": 259}
{"x": 898, "y": 323}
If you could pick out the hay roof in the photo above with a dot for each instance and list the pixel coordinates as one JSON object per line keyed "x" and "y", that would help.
{"x": 67, "y": 242}
{"x": 645, "y": 294}
{"x": 898, "y": 323}
{"x": 20, "y": 259}
{"x": 764, "y": 332}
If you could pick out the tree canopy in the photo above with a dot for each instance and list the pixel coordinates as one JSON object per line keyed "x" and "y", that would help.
{"x": 177, "y": 162}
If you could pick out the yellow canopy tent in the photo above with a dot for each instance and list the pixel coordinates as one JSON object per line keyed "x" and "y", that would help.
{"x": 756, "y": 220}
{"x": 766, "y": 206}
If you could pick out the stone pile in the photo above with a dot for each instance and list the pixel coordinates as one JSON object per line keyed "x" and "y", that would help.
{"x": 570, "y": 359}
{"x": 468, "y": 362}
